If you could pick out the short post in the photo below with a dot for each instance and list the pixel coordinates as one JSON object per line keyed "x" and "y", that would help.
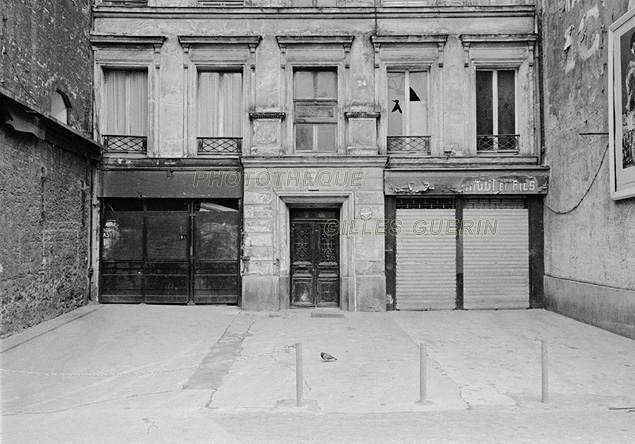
{"x": 545, "y": 371}
{"x": 298, "y": 374}
{"x": 422, "y": 373}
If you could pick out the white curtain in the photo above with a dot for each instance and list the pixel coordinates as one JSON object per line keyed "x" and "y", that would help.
{"x": 126, "y": 102}
{"x": 220, "y": 104}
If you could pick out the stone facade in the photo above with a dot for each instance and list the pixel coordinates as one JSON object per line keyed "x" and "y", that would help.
{"x": 359, "y": 40}
{"x": 46, "y": 166}
{"x": 589, "y": 238}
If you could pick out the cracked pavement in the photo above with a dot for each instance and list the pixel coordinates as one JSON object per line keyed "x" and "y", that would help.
{"x": 221, "y": 375}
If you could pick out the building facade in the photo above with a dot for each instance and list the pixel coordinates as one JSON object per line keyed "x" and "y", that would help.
{"x": 47, "y": 161}
{"x": 367, "y": 155}
{"x": 590, "y": 238}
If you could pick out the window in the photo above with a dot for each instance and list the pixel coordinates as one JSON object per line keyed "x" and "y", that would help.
{"x": 408, "y": 111}
{"x": 496, "y": 110}
{"x": 315, "y": 106}
{"x": 220, "y": 112}
{"x": 126, "y": 110}
{"x": 59, "y": 106}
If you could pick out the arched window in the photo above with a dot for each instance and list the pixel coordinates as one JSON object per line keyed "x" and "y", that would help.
{"x": 60, "y": 106}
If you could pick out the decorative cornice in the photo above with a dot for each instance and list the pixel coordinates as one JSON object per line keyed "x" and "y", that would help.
{"x": 345, "y": 40}
{"x": 409, "y": 39}
{"x": 498, "y": 38}
{"x": 267, "y": 115}
{"x": 126, "y": 40}
{"x": 219, "y": 39}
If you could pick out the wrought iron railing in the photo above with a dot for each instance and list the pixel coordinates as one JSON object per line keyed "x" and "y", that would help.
{"x": 220, "y": 145}
{"x": 221, "y": 3}
{"x": 409, "y": 144}
{"x": 125, "y": 144}
{"x": 506, "y": 143}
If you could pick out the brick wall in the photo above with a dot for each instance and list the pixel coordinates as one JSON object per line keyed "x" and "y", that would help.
{"x": 45, "y": 48}
{"x": 44, "y": 227}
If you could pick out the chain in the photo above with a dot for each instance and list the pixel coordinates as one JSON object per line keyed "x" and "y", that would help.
{"x": 150, "y": 372}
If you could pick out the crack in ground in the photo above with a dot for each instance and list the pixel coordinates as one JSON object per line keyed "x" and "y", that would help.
{"x": 438, "y": 365}
{"x": 104, "y": 401}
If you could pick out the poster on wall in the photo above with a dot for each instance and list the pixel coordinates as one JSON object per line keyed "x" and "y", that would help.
{"x": 622, "y": 106}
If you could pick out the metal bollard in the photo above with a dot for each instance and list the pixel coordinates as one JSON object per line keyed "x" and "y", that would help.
{"x": 298, "y": 374}
{"x": 422, "y": 373}
{"x": 545, "y": 371}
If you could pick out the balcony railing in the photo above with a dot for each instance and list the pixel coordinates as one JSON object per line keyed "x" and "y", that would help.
{"x": 220, "y": 145}
{"x": 497, "y": 143}
{"x": 409, "y": 144}
{"x": 125, "y": 144}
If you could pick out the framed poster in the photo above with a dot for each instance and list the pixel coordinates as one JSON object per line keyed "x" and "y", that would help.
{"x": 622, "y": 106}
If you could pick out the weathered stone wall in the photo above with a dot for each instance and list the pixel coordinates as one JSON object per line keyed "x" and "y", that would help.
{"x": 45, "y": 44}
{"x": 589, "y": 238}
{"x": 44, "y": 227}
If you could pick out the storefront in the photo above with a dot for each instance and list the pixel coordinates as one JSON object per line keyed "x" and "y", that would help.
{"x": 467, "y": 239}
{"x": 170, "y": 237}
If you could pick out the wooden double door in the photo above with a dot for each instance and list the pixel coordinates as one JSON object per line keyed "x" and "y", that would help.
{"x": 170, "y": 251}
{"x": 315, "y": 257}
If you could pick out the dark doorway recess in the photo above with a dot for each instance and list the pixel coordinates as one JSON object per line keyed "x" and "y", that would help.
{"x": 170, "y": 251}
{"x": 314, "y": 257}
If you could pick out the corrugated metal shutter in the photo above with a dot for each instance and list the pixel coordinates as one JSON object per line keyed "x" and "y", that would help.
{"x": 426, "y": 263}
{"x": 496, "y": 254}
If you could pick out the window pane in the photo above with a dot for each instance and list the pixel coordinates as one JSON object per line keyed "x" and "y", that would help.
{"x": 418, "y": 104}
{"x": 167, "y": 236}
{"x": 122, "y": 236}
{"x": 396, "y": 103}
{"x": 303, "y": 137}
{"x": 126, "y": 102}
{"x": 303, "y": 85}
{"x": 220, "y": 104}
{"x": 327, "y": 135}
{"x": 326, "y": 85}
{"x": 506, "y": 103}
{"x": 484, "y": 108}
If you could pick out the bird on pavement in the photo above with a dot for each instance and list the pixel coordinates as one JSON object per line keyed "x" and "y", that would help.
{"x": 327, "y": 357}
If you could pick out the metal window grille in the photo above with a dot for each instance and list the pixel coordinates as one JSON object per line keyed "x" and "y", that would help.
{"x": 125, "y": 2}
{"x": 497, "y": 143}
{"x": 125, "y": 144}
{"x": 220, "y": 145}
{"x": 409, "y": 144}
{"x": 496, "y": 203}
{"x": 425, "y": 203}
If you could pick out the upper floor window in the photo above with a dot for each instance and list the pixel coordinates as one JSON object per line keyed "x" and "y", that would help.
{"x": 60, "y": 106}
{"x": 126, "y": 97}
{"x": 496, "y": 110}
{"x": 220, "y": 111}
{"x": 315, "y": 109}
{"x": 408, "y": 111}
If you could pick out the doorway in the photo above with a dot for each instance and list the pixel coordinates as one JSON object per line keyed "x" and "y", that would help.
{"x": 315, "y": 257}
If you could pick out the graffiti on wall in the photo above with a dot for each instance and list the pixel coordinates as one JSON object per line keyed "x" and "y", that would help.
{"x": 584, "y": 39}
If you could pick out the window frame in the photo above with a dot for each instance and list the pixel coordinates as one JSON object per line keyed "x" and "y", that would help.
{"x": 134, "y": 53}
{"x": 217, "y": 53}
{"x": 504, "y": 52}
{"x": 494, "y": 70}
{"x": 333, "y": 102}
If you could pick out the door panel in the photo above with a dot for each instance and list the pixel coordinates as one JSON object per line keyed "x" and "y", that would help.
{"x": 169, "y": 251}
{"x": 216, "y": 250}
{"x": 314, "y": 259}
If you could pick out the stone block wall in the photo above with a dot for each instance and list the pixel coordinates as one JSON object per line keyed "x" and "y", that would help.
{"x": 45, "y": 48}
{"x": 44, "y": 230}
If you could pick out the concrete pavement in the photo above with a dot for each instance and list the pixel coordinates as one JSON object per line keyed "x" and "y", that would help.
{"x": 142, "y": 373}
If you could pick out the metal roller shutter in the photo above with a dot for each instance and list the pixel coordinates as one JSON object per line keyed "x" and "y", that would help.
{"x": 496, "y": 254}
{"x": 426, "y": 262}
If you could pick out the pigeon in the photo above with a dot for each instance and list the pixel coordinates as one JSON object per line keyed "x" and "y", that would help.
{"x": 396, "y": 107}
{"x": 328, "y": 357}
